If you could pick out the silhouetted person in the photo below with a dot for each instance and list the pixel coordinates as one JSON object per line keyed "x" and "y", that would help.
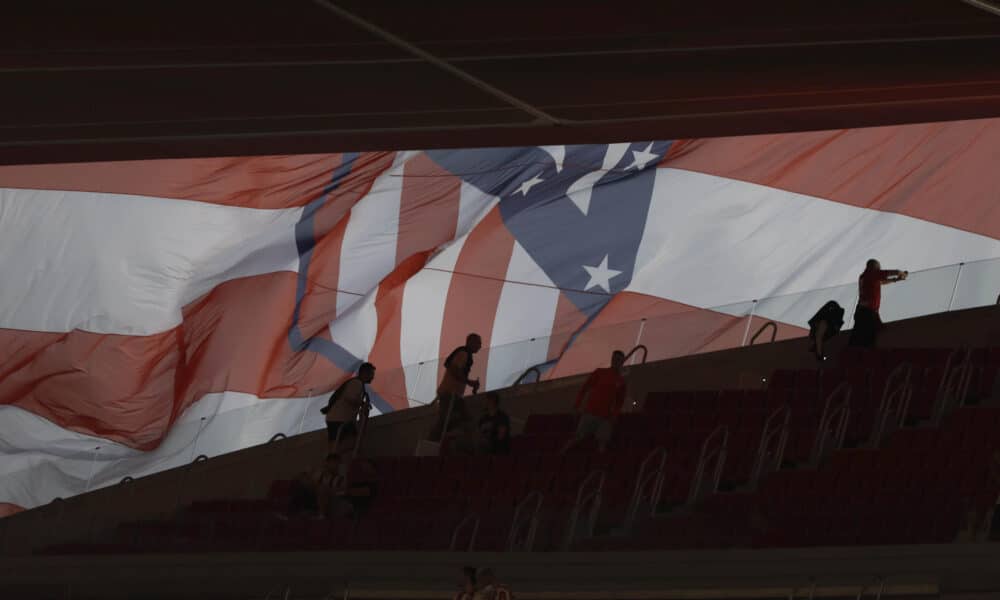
{"x": 494, "y": 427}
{"x": 356, "y": 490}
{"x": 457, "y": 367}
{"x": 866, "y": 318}
{"x": 310, "y": 491}
{"x": 344, "y": 408}
{"x": 824, "y": 325}
{"x": 600, "y": 402}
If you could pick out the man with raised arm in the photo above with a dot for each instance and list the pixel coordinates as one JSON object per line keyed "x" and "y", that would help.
{"x": 867, "y": 321}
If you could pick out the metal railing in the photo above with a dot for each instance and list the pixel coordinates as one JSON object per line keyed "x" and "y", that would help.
{"x": 361, "y": 418}
{"x": 773, "y": 440}
{"x": 287, "y": 595}
{"x": 880, "y": 581}
{"x": 645, "y": 353}
{"x": 954, "y": 386}
{"x": 648, "y": 485}
{"x": 525, "y": 521}
{"x": 887, "y": 408}
{"x": 184, "y": 475}
{"x": 588, "y": 499}
{"x": 275, "y": 460}
{"x": 520, "y": 380}
{"x": 363, "y": 414}
{"x": 774, "y": 332}
{"x": 470, "y": 520}
{"x": 538, "y": 374}
{"x": 429, "y": 447}
{"x": 832, "y": 424}
{"x": 708, "y": 453}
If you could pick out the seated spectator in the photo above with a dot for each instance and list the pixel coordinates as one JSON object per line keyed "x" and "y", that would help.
{"x": 356, "y": 495}
{"x": 494, "y": 426}
{"x": 824, "y": 325}
{"x": 310, "y": 489}
{"x": 600, "y": 402}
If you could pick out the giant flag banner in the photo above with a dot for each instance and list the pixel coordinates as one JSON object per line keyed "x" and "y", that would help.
{"x": 154, "y": 310}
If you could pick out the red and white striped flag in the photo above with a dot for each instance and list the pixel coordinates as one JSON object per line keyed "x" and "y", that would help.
{"x": 151, "y": 311}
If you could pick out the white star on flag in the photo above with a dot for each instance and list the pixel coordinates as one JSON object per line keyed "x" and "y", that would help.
{"x": 601, "y": 275}
{"x": 641, "y": 158}
{"x": 527, "y": 185}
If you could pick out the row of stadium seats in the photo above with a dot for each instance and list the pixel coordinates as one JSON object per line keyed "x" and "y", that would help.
{"x": 859, "y": 496}
{"x": 917, "y": 490}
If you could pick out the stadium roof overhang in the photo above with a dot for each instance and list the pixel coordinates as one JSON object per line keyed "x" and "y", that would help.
{"x": 113, "y": 79}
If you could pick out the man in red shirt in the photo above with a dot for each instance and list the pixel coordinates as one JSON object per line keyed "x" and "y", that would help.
{"x": 866, "y": 318}
{"x": 599, "y": 403}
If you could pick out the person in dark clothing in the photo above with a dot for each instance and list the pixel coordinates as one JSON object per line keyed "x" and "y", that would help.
{"x": 866, "y": 318}
{"x": 345, "y": 408}
{"x": 494, "y": 426}
{"x": 357, "y": 493}
{"x": 599, "y": 403}
{"x": 451, "y": 407}
{"x": 310, "y": 489}
{"x": 824, "y": 325}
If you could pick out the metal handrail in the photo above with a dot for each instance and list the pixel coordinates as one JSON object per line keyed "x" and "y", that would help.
{"x": 645, "y": 353}
{"x": 518, "y": 522}
{"x": 835, "y": 416}
{"x": 776, "y": 426}
{"x": 904, "y": 394}
{"x": 447, "y": 418}
{"x": 469, "y": 518}
{"x": 583, "y": 497}
{"x": 648, "y": 480}
{"x": 707, "y": 454}
{"x": 954, "y": 384}
{"x": 363, "y": 412}
{"x": 362, "y": 416}
{"x": 520, "y": 380}
{"x": 774, "y": 332}
{"x": 288, "y": 592}
{"x": 903, "y": 391}
{"x": 944, "y": 384}
{"x": 538, "y": 374}
{"x": 956, "y": 358}
{"x": 878, "y": 592}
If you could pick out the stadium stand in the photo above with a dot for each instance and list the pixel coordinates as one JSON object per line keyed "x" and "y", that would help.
{"x": 816, "y": 458}
{"x": 877, "y": 451}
